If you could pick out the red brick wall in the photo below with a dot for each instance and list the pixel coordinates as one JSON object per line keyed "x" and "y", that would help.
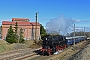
{"x": 27, "y": 31}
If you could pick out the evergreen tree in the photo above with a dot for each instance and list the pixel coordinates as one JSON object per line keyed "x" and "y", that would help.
{"x": 0, "y": 31}
{"x": 16, "y": 31}
{"x": 16, "y": 28}
{"x": 42, "y": 31}
{"x": 21, "y": 39}
{"x": 10, "y": 38}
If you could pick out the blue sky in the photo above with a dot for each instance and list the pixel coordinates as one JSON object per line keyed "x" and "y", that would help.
{"x": 48, "y": 9}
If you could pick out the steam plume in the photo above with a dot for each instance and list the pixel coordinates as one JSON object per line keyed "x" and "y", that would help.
{"x": 59, "y": 25}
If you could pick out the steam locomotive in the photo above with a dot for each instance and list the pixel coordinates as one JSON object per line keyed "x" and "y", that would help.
{"x": 54, "y": 43}
{"x": 51, "y": 44}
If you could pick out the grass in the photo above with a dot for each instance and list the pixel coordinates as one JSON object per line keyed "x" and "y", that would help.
{"x": 6, "y": 47}
{"x": 28, "y": 43}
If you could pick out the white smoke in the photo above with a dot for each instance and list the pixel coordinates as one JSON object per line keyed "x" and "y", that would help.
{"x": 59, "y": 25}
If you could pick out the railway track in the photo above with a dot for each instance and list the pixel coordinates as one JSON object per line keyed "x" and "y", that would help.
{"x": 14, "y": 55}
{"x": 27, "y": 54}
{"x": 20, "y": 58}
{"x": 66, "y": 54}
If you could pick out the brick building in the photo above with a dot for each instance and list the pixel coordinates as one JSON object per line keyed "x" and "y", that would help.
{"x": 29, "y": 28}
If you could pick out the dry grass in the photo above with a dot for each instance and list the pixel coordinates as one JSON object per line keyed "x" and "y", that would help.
{"x": 36, "y": 44}
{"x": 6, "y": 47}
{"x": 28, "y": 43}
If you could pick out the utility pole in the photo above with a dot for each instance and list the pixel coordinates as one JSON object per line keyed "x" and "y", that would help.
{"x": 84, "y": 30}
{"x": 74, "y": 35}
{"x": 36, "y": 28}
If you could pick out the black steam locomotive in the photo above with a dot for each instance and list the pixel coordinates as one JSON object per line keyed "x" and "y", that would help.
{"x": 53, "y": 43}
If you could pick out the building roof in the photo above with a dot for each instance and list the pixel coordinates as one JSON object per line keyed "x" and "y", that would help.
{"x": 19, "y": 23}
{"x": 34, "y": 23}
{"x": 7, "y": 23}
{"x": 19, "y": 19}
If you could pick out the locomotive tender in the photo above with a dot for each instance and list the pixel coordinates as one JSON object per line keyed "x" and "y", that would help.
{"x": 54, "y": 43}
